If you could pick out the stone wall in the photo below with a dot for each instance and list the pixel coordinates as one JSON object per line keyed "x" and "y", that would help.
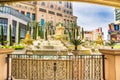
{"x": 3, "y": 67}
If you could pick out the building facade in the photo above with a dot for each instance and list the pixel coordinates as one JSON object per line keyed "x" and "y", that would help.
{"x": 116, "y": 15}
{"x": 114, "y": 32}
{"x": 39, "y": 11}
{"x": 114, "y": 28}
{"x": 47, "y": 11}
{"x": 9, "y": 16}
{"x": 43, "y": 11}
{"x": 93, "y": 35}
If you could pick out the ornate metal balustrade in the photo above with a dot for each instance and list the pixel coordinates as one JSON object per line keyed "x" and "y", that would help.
{"x": 37, "y": 67}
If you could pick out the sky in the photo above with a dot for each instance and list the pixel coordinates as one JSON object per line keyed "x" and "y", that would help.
{"x": 92, "y": 16}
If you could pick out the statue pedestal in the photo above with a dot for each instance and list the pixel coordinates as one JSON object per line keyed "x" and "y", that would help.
{"x": 59, "y": 34}
{"x": 112, "y": 63}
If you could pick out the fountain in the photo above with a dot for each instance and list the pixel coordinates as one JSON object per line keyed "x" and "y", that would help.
{"x": 49, "y": 47}
{"x": 59, "y": 34}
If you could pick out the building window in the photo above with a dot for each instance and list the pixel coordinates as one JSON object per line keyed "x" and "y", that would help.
{"x": 25, "y": 7}
{"x": 70, "y": 5}
{"x": 59, "y": 8}
{"x": 42, "y": 22}
{"x": 19, "y": 5}
{"x": 51, "y": 6}
{"x": 17, "y": 10}
{"x": 28, "y": 14}
{"x": 4, "y": 23}
{"x": 67, "y": 5}
{"x": 42, "y": 10}
{"x": 14, "y": 24}
{"x": 43, "y": 4}
{"x": 58, "y": 14}
{"x": 71, "y": 13}
{"x": 51, "y": 12}
{"x": 67, "y": 12}
{"x": 33, "y": 16}
{"x": 22, "y": 30}
{"x": 64, "y": 11}
{"x": 23, "y": 12}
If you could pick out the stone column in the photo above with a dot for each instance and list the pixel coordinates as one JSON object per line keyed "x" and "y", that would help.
{"x": 16, "y": 39}
{"x": 112, "y": 63}
{"x": 3, "y": 67}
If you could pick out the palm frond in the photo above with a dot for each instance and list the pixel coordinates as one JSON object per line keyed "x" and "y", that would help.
{"x": 76, "y": 42}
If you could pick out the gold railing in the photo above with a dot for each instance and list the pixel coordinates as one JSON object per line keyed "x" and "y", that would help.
{"x": 37, "y": 67}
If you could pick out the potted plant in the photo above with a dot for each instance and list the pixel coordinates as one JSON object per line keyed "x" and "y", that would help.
{"x": 76, "y": 42}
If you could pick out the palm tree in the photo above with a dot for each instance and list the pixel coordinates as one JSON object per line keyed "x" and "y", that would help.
{"x": 76, "y": 42}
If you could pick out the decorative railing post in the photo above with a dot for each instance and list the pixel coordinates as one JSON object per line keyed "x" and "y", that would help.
{"x": 103, "y": 65}
{"x": 9, "y": 66}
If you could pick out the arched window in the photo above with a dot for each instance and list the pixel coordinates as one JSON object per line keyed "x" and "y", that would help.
{"x": 51, "y": 6}
{"x": 59, "y": 8}
{"x": 43, "y": 3}
{"x": 67, "y": 4}
{"x": 64, "y": 11}
{"x": 67, "y": 12}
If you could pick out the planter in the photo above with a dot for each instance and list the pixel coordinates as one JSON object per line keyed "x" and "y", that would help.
{"x": 75, "y": 52}
{"x": 81, "y": 52}
{"x": 2, "y": 51}
{"x": 48, "y": 47}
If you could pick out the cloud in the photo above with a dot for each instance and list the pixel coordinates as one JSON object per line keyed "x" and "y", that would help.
{"x": 92, "y": 16}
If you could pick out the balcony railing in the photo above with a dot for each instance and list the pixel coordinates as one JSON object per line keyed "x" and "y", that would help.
{"x": 37, "y": 67}
{"x": 11, "y": 11}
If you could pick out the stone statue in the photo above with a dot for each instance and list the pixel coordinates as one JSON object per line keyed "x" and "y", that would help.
{"x": 99, "y": 40}
{"x": 27, "y": 35}
{"x": 59, "y": 30}
{"x": 27, "y": 40}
